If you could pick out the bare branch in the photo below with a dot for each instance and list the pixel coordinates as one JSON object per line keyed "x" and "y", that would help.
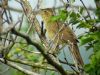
{"x": 42, "y": 50}
{"x": 11, "y": 64}
{"x": 35, "y": 65}
{"x": 86, "y": 9}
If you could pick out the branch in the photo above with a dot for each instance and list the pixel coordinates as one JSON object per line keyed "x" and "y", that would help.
{"x": 73, "y": 6}
{"x": 97, "y": 2}
{"x": 35, "y": 65}
{"x": 86, "y": 9}
{"x": 11, "y": 64}
{"x": 42, "y": 50}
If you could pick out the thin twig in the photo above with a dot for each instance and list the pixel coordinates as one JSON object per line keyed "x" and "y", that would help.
{"x": 68, "y": 62}
{"x": 86, "y": 9}
{"x": 12, "y": 40}
{"x": 15, "y": 66}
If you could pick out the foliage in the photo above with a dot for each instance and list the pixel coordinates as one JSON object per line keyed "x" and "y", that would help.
{"x": 91, "y": 38}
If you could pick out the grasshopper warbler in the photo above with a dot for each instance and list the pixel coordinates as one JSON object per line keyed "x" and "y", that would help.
{"x": 61, "y": 32}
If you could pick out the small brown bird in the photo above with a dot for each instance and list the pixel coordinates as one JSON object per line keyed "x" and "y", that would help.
{"x": 61, "y": 33}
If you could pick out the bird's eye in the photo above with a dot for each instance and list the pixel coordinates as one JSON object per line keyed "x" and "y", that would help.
{"x": 45, "y": 11}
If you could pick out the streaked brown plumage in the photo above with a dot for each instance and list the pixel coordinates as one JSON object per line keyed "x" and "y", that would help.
{"x": 62, "y": 33}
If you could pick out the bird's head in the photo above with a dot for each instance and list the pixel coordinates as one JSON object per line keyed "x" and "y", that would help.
{"x": 47, "y": 11}
{"x": 46, "y": 14}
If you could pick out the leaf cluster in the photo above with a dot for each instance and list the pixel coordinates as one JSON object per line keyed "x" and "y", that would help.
{"x": 90, "y": 39}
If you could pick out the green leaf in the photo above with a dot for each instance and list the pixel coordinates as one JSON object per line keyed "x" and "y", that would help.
{"x": 74, "y": 21}
{"x": 91, "y": 21}
{"x": 97, "y": 46}
{"x": 63, "y": 14}
{"x": 94, "y": 67}
{"x": 32, "y": 57}
{"x": 61, "y": 17}
{"x": 53, "y": 73}
{"x": 85, "y": 39}
{"x": 81, "y": 10}
{"x": 96, "y": 35}
{"x": 72, "y": 1}
{"x": 88, "y": 47}
{"x": 92, "y": 36}
{"x": 74, "y": 17}
{"x": 88, "y": 68}
{"x": 73, "y": 14}
{"x": 83, "y": 24}
{"x": 54, "y": 18}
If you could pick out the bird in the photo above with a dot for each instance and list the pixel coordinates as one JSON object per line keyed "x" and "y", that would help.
{"x": 61, "y": 33}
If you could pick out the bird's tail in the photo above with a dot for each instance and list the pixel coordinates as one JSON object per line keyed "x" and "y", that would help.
{"x": 76, "y": 55}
